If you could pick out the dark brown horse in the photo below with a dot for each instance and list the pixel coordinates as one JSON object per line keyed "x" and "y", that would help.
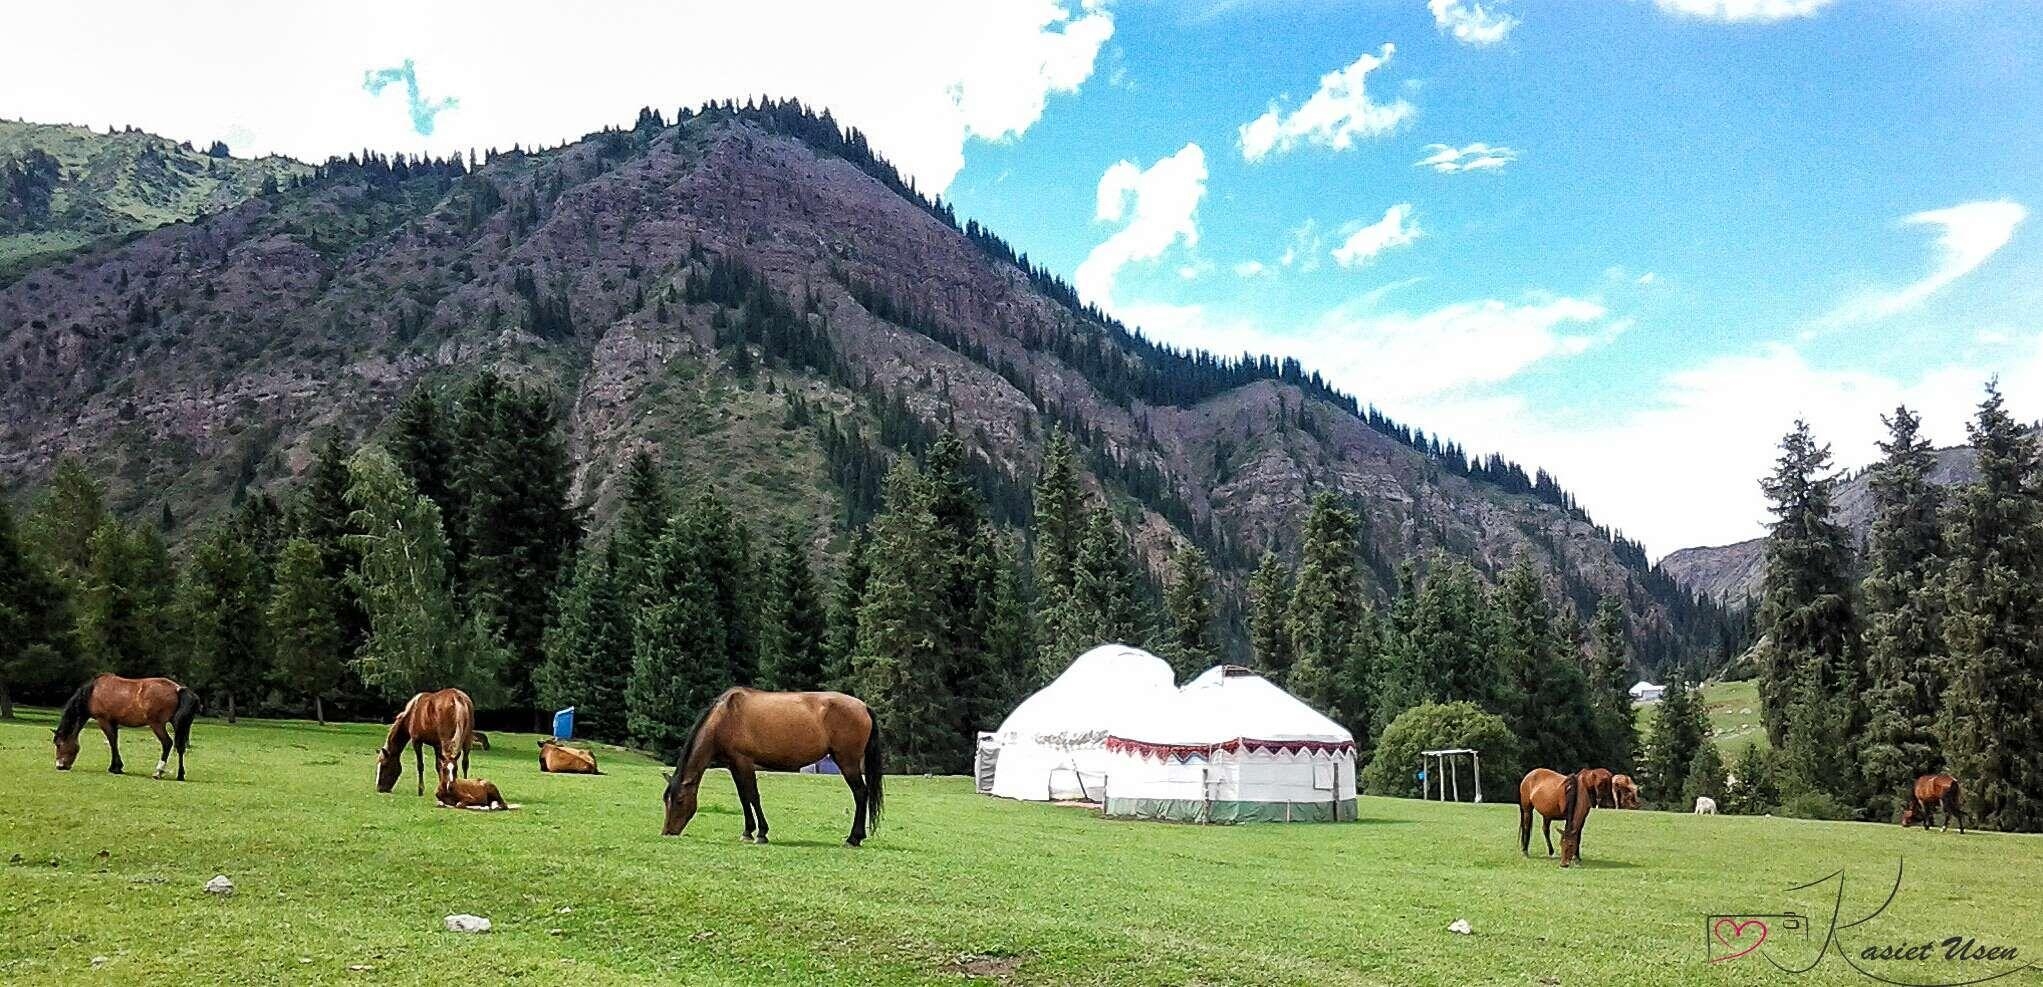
{"x": 443, "y": 720}
{"x": 1598, "y": 783}
{"x": 559, "y": 759}
{"x": 1554, "y": 796}
{"x": 117, "y": 702}
{"x": 1930, "y": 792}
{"x": 746, "y": 730}
{"x": 1625, "y": 791}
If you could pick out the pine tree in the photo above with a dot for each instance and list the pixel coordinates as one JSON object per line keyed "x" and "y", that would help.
{"x": 223, "y": 608}
{"x": 320, "y": 514}
{"x": 793, "y": 646}
{"x": 1904, "y": 634}
{"x": 1754, "y": 793}
{"x": 1189, "y": 602}
{"x": 679, "y": 641}
{"x": 726, "y": 546}
{"x": 1269, "y": 626}
{"x": 1107, "y": 585}
{"x": 641, "y": 517}
{"x": 1010, "y": 645}
{"x": 421, "y": 443}
{"x": 1993, "y": 626}
{"x": 1806, "y": 608}
{"x": 588, "y": 649}
{"x": 1451, "y": 639}
{"x": 418, "y": 639}
{"x": 35, "y": 620}
{"x": 1400, "y": 681}
{"x": 1678, "y": 731}
{"x": 67, "y": 516}
{"x": 1609, "y": 684}
{"x": 1058, "y": 530}
{"x": 1545, "y": 699}
{"x": 845, "y": 603}
{"x": 1705, "y": 777}
{"x": 898, "y": 668}
{"x": 126, "y": 620}
{"x": 304, "y": 625}
{"x": 1326, "y": 616}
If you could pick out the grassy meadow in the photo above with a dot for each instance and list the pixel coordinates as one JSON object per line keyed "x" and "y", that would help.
{"x": 337, "y": 884}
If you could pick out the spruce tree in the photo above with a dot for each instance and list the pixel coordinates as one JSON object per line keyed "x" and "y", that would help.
{"x": 1904, "y": 634}
{"x": 1805, "y": 609}
{"x": 1545, "y": 699}
{"x": 1269, "y": 612}
{"x": 846, "y": 600}
{"x": 1451, "y": 639}
{"x": 1326, "y": 614}
{"x": 304, "y": 625}
{"x": 320, "y": 514}
{"x": 726, "y": 546}
{"x": 1010, "y": 645}
{"x": 1679, "y": 729}
{"x": 223, "y": 610}
{"x": 793, "y": 646}
{"x": 67, "y": 516}
{"x": 35, "y": 620}
{"x": 1993, "y": 626}
{"x": 1400, "y": 682}
{"x": 642, "y": 516}
{"x": 1108, "y": 585}
{"x": 422, "y": 443}
{"x": 679, "y": 641}
{"x": 588, "y": 649}
{"x": 1058, "y": 530}
{"x": 1754, "y": 793}
{"x": 1610, "y": 684}
{"x": 126, "y": 603}
{"x": 898, "y": 668}
{"x": 1189, "y": 602}
{"x": 1705, "y": 776}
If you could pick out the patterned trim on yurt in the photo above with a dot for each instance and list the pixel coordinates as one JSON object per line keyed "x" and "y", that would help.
{"x": 1231, "y": 812}
{"x": 1181, "y": 752}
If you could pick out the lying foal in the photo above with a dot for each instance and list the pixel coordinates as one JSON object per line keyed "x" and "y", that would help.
{"x": 467, "y": 793}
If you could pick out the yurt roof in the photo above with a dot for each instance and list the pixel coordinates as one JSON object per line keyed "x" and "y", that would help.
{"x": 1080, "y": 705}
{"x": 1229, "y": 703}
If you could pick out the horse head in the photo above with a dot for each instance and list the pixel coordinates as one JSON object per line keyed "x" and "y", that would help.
{"x": 388, "y": 766}
{"x": 1908, "y": 816}
{"x": 67, "y": 749}
{"x": 680, "y": 802}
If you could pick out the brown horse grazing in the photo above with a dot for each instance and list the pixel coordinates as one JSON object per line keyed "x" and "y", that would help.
{"x": 467, "y": 793}
{"x": 557, "y": 759}
{"x": 117, "y": 702}
{"x": 780, "y": 731}
{"x": 1930, "y": 792}
{"x": 444, "y": 720}
{"x": 1554, "y": 796}
{"x": 1625, "y": 790}
{"x": 1597, "y": 782}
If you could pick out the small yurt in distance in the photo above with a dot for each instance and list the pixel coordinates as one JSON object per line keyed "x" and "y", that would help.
{"x": 1230, "y": 748}
{"x": 1052, "y": 748}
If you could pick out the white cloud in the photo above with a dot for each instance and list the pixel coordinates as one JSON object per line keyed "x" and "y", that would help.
{"x": 1395, "y": 229}
{"x": 1251, "y": 269}
{"x": 1448, "y": 159}
{"x": 1736, "y": 11}
{"x": 1971, "y": 232}
{"x": 1471, "y": 23}
{"x": 1157, "y": 207}
{"x": 1334, "y": 117}
{"x": 979, "y": 71}
{"x": 1303, "y": 249}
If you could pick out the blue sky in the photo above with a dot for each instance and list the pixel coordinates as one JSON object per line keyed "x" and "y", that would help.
{"x": 1663, "y": 229}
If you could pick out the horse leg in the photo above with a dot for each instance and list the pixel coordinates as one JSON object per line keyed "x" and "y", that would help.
{"x": 418, "y": 753}
{"x": 1548, "y": 828}
{"x": 854, "y": 775}
{"x": 748, "y": 793}
{"x": 1524, "y": 829}
{"x": 162, "y": 760}
{"x": 113, "y": 743}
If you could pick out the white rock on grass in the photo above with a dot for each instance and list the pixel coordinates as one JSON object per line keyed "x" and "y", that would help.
{"x": 467, "y": 923}
{"x": 1461, "y": 927}
{"x": 219, "y": 885}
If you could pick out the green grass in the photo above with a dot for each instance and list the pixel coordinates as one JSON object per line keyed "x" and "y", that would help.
{"x": 1733, "y": 710}
{"x": 330, "y": 874}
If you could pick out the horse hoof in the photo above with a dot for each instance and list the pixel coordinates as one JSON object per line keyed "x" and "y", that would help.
{"x": 851, "y": 843}
{"x": 761, "y": 840}
{"x": 747, "y": 838}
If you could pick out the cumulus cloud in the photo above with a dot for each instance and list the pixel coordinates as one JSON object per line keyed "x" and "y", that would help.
{"x": 1969, "y": 234}
{"x": 983, "y": 71}
{"x": 1471, "y": 23}
{"x": 1334, "y": 117}
{"x": 1395, "y": 229}
{"x": 1156, "y": 206}
{"x": 1735, "y": 11}
{"x": 1448, "y": 159}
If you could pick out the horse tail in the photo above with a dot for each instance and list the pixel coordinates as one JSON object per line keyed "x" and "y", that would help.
{"x": 181, "y": 718}
{"x": 464, "y": 730}
{"x": 875, "y": 775}
{"x": 77, "y": 709}
{"x": 1571, "y": 795}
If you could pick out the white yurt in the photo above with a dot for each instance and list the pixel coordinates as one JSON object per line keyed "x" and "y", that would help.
{"x": 1052, "y": 748}
{"x": 1230, "y": 748}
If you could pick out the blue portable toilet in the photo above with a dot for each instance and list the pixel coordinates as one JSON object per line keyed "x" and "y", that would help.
{"x": 564, "y": 724}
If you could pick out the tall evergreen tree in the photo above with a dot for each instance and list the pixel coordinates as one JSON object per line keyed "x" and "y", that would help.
{"x": 1010, "y": 645}
{"x": 846, "y": 600}
{"x": 1904, "y": 633}
{"x": 422, "y": 443}
{"x": 1059, "y": 531}
{"x": 680, "y": 640}
{"x": 792, "y": 645}
{"x": 1189, "y": 603}
{"x": 126, "y": 618}
{"x": 1993, "y": 625}
{"x": 1107, "y": 584}
{"x": 304, "y": 625}
{"x": 1705, "y": 776}
{"x": 67, "y": 516}
{"x": 589, "y": 648}
{"x": 320, "y": 514}
{"x": 1545, "y": 699}
{"x": 1451, "y": 639}
{"x": 726, "y": 546}
{"x": 1679, "y": 729}
{"x": 1327, "y": 617}
{"x": 1610, "y": 684}
{"x": 223, "y": 609}
{"x": 35, "y": 620}
{"x": 899, "y": 668}
{"x": 1269, "y": 612}
{"x": 1805, "y": 609}
{"x": 1400, "y": 681}
{"x": 642, "y": 515}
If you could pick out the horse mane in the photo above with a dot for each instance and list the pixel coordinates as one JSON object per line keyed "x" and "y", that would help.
{"x": 77, "y": 709}
{"x": 400, "y": 727}
{"x": 674, "y": 781}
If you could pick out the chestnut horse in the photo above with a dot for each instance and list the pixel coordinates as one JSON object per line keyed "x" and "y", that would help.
{"x": 1598, "y": 783}
{"x": 117, "y": 702}
{"x": 1624, "y": 791}
{"x": 1554, "y": 796}
{"x": 467, "y": 793}
{"x": 445, "y": 720}
{"x": 555, "y": 758}
{"x": 746, "y": 729}
{"x": 1930, "y": 792}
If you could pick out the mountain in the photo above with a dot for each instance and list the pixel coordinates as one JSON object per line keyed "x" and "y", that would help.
{"x": 762, "y": 296}
{"x": 1732, "y": 573}
{"x": 62, "y": 186}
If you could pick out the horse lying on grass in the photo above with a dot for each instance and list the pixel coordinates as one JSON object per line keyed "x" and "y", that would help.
{"x": 780, "y": 731}
{"x": 1554, "y": 796}
{"x": 559, "y": 759}
{"x": 467, "y": 793}
{"x": 1624, "y": 791}
{"x": 119, "y": 702}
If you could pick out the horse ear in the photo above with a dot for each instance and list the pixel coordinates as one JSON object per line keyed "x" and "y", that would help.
{"x": 669, "y": 775}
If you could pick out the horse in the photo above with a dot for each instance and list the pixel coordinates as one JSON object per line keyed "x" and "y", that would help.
{"x": 120, "y": 702}
{"x": 444, "y": 719}
{"x": 1705, "y": 806}
{"x": 1931, "y": 791}
{"x": 1554, "y": 796}
{"x": 466, "y": 793}
{"x": 746, "y": 729}
{"x": 1597, "y": 782}
{"x": 555, "y": 758}
{"x": 1624, "y": 791}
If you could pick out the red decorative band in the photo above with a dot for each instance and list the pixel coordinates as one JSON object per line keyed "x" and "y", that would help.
{"x": 1181, "y": 752}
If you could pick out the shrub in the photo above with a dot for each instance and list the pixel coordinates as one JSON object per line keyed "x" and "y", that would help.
{"x": 1435, "y": 726}
{"x": 1814, "y": 805}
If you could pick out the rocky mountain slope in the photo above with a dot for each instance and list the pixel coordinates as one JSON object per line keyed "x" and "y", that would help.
{"x": 1732, "y": 573}
{"x": 631, "y": 269}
